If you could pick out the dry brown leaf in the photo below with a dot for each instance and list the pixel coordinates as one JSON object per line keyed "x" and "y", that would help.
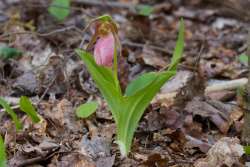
{"x": 226, "y": 151}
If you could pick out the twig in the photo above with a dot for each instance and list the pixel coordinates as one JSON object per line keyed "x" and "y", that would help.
{"x": 12, "y": 107}
{"x": 227, "y": 85}
{"x": 140, "y": 45}
{"x": 40, "y": 158}
{"x": 31, "y": 161}
{"x": 62, "y": 7}
{"x": 43, "y": 34}
{"x": 47, "y": 89}
{"x": 113, "y": 4}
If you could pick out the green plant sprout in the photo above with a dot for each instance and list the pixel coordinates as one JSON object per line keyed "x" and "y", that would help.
{"x": 13, "y": 115}
{"x": 59, "y": 9}
{"x": 128, "y": 108}
{"x": 3, "y": 160}
{"x": 27, "y": 107}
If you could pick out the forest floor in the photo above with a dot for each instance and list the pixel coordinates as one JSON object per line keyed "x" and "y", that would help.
{"x": 195, "y": 120}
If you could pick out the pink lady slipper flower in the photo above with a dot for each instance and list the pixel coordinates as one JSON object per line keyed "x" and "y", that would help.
{"x": 104, "y": 50}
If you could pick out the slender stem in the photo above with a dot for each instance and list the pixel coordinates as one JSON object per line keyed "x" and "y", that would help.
{"x": 115, "y": 65}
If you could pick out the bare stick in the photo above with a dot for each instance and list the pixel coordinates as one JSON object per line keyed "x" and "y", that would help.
{"x": 245, "y": 137}
{"x": 113, "y": 4}
{"x": 44, "y": 34}
{"x": 227, "y": 85}
{"x": 141, "y": 45}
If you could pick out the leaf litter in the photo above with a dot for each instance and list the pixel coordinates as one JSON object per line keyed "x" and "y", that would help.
{"x": 184, "y": 126}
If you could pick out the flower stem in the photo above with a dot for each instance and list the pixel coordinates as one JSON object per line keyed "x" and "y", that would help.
{"x": 115, "y": 65}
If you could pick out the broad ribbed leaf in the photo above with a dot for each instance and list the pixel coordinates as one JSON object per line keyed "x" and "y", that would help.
{"x": 13, "y": 115}
{"x": 27, "y": 107}
{"x": 138, "y": 102}
{"x": 104, "y": 80}
{"x": 134, "y": 108}
{"x": 139, "y": 83}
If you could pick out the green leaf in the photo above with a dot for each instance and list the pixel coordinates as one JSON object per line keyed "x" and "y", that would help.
{"x": 27, "y": 107}
{"x": 134, "y": 107}
{"x": 9, "y": 53}
{"x": 85, "y": 110}
{"x": 179, "y": 47}
{"x": 13, "y": 115}
{"x": 247, "y": 150}
{"x": 144, "y": 10}
{"x": 60, "y": 9}
{"x": 243, "y": 58}
{"x": 104, "y": 18}
{"x": 105, "y": 81}
{"x": 139, "y": 83}
{"x": 3, "y": 161}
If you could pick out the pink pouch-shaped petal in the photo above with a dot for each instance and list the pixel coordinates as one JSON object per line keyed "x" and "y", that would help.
{"x": 104, "y": 50}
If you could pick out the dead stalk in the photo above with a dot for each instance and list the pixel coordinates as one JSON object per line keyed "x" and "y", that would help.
{"x": 245, "y": 138}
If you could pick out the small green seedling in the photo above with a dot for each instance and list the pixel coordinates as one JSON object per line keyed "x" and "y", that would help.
{"x": 9, "y": 53}
{"x": 60, "y": 9}
{"x": 3, "y": 161}
{"x": 27, "y": 107}
{"x": 144, "y": 10}
{"x": 85, "y": 110}
{"x": 243, "y": 58}
{"x": 126, "y": 108}
{"x": 13, "y": 115}
{"x": 247, "y": 150}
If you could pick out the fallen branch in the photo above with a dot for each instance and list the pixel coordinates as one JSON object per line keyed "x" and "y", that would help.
{"x": 113, "y": 4}
{"x": 226, "y": 85}
{"x": 56, "y": 31}
{"x": 141, "y": 45}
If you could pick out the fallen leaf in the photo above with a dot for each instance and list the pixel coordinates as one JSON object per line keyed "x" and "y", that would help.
{"x": 227, "y": 151}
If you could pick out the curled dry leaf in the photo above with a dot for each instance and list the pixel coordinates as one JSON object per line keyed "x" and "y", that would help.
{"x": 215, "y": 111}
{"x": 75, "y": 159}
{"x": 95, "y": 148}
{"x": 153, "y": 58}
{"x": 227, "y": 151}
{"x": 36, "y": 131}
